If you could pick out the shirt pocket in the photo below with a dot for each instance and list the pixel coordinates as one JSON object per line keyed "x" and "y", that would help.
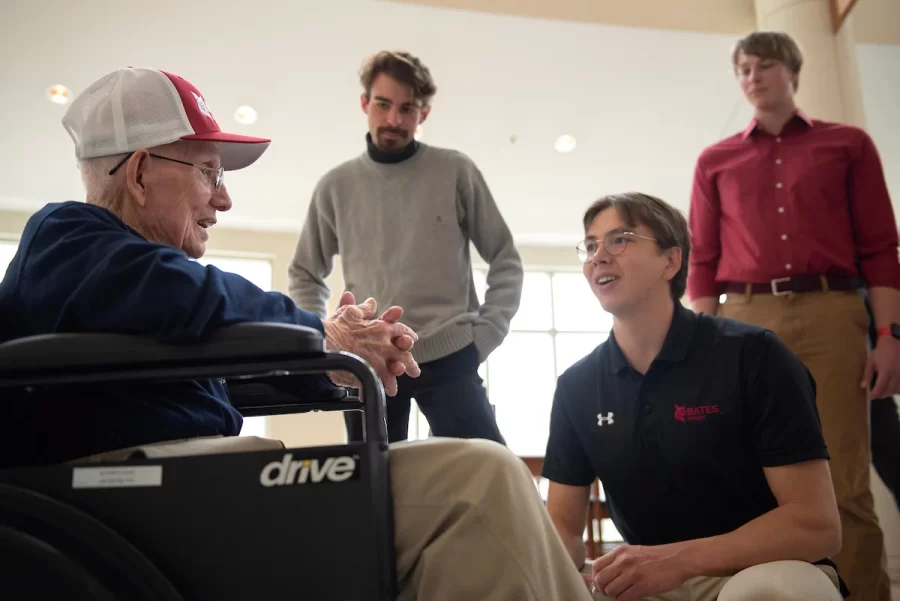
{"x": 825, "y": 180}
{"x": 742, "y": 191}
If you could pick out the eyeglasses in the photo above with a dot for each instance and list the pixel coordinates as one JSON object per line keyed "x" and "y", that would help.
{"x": 614, "y": 242}
{"x": 208, "y": 171}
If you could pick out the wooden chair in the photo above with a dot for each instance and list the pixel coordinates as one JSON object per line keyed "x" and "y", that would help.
{"x": 597, "y": 511}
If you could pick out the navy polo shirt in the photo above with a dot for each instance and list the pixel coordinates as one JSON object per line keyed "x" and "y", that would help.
{"x": 681, "y": 449}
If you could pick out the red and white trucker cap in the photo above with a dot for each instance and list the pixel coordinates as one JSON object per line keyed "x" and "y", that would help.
{"x": 131, "y": 108}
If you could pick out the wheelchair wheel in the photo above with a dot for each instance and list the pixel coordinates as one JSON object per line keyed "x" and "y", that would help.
{"x": 32, "y": 569}
{"x": 50, "y": 550}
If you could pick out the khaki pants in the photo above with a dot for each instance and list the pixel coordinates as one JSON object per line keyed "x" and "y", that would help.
{"x": 469, "y": 522}
{"x": 827, "y": 331}
{"x": 776, "y": 581}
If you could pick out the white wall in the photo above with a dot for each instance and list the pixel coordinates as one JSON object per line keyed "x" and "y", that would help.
{"x": 879, "y": 74}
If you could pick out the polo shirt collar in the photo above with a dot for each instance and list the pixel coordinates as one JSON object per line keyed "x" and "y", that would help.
{"x": 674, "y": 348}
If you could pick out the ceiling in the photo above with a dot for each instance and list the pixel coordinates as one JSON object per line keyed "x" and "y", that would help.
{"x": 874, "y": 21}
{"x": 710, "y": 16}
{"x": 641, "y": 103}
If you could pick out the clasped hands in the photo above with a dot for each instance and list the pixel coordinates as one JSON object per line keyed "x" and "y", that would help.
{"x": 384, "y": 343}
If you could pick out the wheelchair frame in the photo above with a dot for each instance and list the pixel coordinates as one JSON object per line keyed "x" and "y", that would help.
{"x": 229, "y": 527}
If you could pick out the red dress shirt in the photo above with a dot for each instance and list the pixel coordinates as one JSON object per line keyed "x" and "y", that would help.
{"x": 812, "y": 200}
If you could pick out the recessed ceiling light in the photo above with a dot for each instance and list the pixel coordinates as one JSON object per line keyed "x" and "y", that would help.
{"x": 59, "y": 94}
{"x": 565, "y": 143}
{"x": 245, "y": 114}
{"x": 419, "y": 132}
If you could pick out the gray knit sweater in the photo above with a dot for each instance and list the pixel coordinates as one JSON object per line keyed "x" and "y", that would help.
{"x": 402, "y": 231}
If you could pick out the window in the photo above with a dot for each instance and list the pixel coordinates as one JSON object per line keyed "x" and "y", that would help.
{"x": 559, "y": 321}
{"x": 258, "y": 271}
{"x": 7, "y": 252}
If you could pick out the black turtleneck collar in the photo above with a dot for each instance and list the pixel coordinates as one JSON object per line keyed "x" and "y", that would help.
{"x": 380, "y": 156}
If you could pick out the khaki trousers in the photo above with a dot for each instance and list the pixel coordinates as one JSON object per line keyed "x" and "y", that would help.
{"x": 469, "y": 522}
{"x": 827, "y": 331}
{"x": 776, "y": 581}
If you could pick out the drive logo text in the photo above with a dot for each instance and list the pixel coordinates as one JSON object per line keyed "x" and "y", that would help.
{"x": 308, "y": 471}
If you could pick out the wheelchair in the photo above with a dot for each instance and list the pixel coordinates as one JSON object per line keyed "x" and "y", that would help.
{"x": 299, "y": 523}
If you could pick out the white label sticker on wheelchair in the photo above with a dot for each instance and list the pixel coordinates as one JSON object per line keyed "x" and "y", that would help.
{"x": 117, "y": 477}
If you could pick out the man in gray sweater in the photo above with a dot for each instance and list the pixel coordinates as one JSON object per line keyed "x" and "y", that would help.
{"x": 401, "y": 216}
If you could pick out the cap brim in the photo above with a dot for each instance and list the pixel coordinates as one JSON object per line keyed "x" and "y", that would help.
{"x": 235, "y": 151}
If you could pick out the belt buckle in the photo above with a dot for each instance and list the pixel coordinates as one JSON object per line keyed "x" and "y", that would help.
{"x": 775, "y": 291}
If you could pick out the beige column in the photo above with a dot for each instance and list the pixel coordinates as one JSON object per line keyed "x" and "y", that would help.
{"x": 829, "y": 82}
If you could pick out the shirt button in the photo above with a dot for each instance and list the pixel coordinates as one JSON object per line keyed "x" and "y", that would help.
{"x": 788, "y": 266}
{"x": 784, "y": 236}
{"x": 648, "y": 409}
{"x": 778, "y": 139}
{"x": 777, "y": 161}
{"x": 779, "y": 185}
{"x": 781, "y": 209}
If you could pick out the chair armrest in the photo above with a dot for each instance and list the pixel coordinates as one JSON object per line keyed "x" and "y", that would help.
{"x": 239, "y": 342}
{"x": 236, "y": 353}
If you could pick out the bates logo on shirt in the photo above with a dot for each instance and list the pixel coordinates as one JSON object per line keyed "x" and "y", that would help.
{"x": 684, "y": 414}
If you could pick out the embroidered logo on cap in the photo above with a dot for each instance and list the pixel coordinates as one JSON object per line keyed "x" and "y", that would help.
{"x": 202, "y": 104}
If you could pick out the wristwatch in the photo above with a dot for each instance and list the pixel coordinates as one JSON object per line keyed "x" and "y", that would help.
{"x": 892, "y": 329}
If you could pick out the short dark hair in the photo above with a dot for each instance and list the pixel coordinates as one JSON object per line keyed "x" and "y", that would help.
{"x": 667, "y": 223}
{"x": 402, "y": 66}
{"x": 773, "y": 45}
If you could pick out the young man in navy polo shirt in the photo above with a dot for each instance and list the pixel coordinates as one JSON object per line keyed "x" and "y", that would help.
{"x": 703, "y": 430}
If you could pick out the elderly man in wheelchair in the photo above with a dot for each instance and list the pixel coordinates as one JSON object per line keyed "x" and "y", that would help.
{"x": 126, "y": 369}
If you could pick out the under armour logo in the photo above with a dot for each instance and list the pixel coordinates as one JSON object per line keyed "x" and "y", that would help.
{"x": 608, "y": 418}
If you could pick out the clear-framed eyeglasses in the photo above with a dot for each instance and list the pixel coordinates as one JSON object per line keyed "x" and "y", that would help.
{"x": 215, "y": 176}
{"x": 614, "y": 243}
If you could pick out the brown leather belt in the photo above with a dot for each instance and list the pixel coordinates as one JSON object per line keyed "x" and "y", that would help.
{"x": 796, "y": 284}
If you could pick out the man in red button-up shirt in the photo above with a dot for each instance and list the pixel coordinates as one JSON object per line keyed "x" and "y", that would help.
{"x": 790, "y": 218}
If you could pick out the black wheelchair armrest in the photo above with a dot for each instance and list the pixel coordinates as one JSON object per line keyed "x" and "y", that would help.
{"x": 239, "y": 342}
{"x": 251, "y": 356}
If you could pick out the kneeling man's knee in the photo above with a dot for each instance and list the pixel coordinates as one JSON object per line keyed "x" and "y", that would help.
{"x": 780, "y": 581}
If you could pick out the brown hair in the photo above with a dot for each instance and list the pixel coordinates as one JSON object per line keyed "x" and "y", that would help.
{"x": 773, "y": 45}
{"x": 402, "y": 66}
{"x": 667, "y": 223}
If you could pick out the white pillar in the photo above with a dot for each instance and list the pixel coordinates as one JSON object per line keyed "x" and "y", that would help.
{"x": 829, "y": 84}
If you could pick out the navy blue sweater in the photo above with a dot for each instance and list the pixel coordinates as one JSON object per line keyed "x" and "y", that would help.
{"x": 79, "y": 268}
